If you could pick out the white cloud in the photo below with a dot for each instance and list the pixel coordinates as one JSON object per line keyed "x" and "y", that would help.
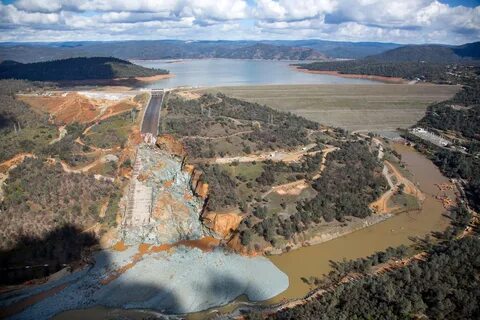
{"x": 288, "y": 10}
{"x": 406, "y": 21}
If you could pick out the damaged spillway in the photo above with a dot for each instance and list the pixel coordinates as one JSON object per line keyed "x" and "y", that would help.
{"x": 157, "y": 269}
{"x": 160, "y": 205}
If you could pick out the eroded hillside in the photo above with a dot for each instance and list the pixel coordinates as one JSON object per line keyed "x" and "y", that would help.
{"x": 277, "y": 181}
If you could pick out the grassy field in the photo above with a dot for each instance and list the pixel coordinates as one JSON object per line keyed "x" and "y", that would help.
{"x": 353, "y": 107}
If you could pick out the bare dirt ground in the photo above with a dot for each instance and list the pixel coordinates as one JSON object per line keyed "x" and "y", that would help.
{"x": 381, "y": 205}
{"x": 352, "y": 107}
{"x": 8, "y": 165}
{"x": 285, "y": 156}
{"x": 69, "y": 107}
{"x": 189, "y": 94}
{"x": 356, "y": 76}
{"x": 296, "y": 187}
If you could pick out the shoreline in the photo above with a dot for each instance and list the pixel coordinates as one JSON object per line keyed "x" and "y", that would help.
{"x": 333, "y": 233}
{"x": 383, "y": 79}
{"x": 131, "y": 83}
{"x": 149, "y": 78}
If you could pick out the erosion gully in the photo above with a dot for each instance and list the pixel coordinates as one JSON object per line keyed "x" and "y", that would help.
{"x": 314, "y": 261}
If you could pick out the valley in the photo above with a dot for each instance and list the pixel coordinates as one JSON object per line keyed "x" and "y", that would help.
{"x": 239, "y": 159}
{"x": 203, "y": 201}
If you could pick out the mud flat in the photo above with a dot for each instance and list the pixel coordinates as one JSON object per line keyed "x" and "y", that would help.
{"x": 182, "y": 281}
{"x": 356, "y": 76}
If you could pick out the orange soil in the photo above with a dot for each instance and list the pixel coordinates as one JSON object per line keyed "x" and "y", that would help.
{"x": 236, "y": 245}
{"x": 222, "y": 223}
{"x": 168, "y": 184}
{"x": 119, "y": 246}
{"x": 296, "y": 187}
{"x": 199, "y": 187}
{"x": 205, "y": 244}
{"x": 70, "y": 108}
{"x": 168, "y": 143}
{"x": 165, "y": 205}
{"x": 356, "y": 76}
{"x": 74, "y": 107}
{"x": 381, "y": 205}
{"x": 292, "y": 188}
{"x": 6, "y": 165}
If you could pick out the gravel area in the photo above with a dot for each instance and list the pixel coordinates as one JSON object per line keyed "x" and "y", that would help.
{"x": 183, "y": 281}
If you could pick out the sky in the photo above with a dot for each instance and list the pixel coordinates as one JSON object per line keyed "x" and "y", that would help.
{"x": 400, "y": 21}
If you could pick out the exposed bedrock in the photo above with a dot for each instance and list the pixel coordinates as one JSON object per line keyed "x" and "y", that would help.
{"x": 161, "y": 205}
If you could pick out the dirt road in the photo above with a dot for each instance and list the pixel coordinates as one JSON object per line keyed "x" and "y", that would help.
{"x": 381, "y": 206}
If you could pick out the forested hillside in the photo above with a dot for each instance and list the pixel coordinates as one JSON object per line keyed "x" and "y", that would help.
{"x": 429, "y": 53}
{"x": 247, "y": 152}
{"x": 47, "y": 206}
{"x": 444, "y": 286}
{"x": 177, "y": 49}
{"x": 75, "y": 69}
{"x": 459, "y": 118}
{"x": 434, "y": 63}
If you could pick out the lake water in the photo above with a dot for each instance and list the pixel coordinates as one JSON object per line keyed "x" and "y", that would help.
{"x": 229, "y": 72}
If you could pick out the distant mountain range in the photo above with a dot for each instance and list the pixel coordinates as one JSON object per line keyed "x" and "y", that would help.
{"x": 99, "y": 68}
{"x": 176, "y": 49}
{"x": 319, "y": 50}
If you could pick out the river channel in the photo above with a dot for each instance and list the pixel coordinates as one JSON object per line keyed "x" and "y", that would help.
{"x": 314, "y": 260}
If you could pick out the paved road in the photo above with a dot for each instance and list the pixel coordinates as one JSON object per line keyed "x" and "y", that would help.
{"x": 152, "y": 115}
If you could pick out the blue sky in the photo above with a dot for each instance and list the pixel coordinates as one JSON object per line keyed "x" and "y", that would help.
{"x": 402, "y": 21}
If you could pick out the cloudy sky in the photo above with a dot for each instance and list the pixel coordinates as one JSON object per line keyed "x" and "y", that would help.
{"x": 403, "y": 21}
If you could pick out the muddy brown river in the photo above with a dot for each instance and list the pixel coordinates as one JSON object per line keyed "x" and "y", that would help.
{"x": 315, "y": 260}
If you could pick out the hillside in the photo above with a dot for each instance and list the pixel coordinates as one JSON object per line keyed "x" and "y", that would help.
{"x": 176, "y": 49}
{"x": 271, "y": 171}
{"x": 434, "y": 63}
{"x": 75, "y": 69}
{"x": 429, "y": 53}
{"x": 267, "y": 51}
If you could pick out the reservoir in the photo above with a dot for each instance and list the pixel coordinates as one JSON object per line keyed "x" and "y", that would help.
{"x": 230, "y": 72}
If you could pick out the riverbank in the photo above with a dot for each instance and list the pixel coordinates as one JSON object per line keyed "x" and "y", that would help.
{"x": 382, "y": 79}
{"x": 324, "y": 233}
{"x": 314, "y": 260}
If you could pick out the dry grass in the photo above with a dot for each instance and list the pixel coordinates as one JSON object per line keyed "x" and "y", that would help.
{"x": 353, "y": 107}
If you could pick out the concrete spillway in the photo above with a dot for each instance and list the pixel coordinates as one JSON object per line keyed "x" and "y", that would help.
{"x": 152, "y": 113}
